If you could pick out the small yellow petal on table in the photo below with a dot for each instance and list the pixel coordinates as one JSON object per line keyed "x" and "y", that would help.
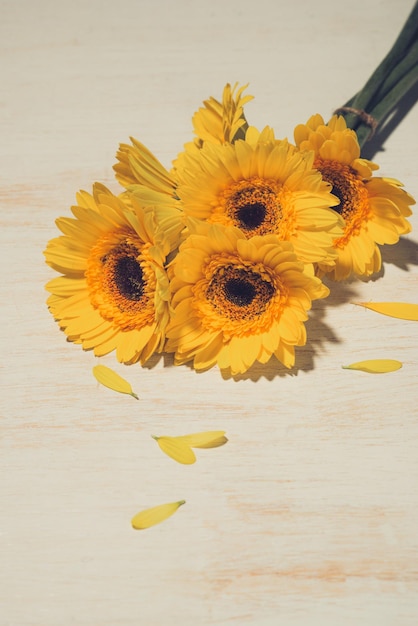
{"x": 208, "y": 439}
{"x": 375, "y": 366}
{"x": 107, "y": 377}
{"x": 176, "y": 449}
{"x": 155, "y": 515}
{"x": 180, "y": 448}
{"x": 400, "y": 310}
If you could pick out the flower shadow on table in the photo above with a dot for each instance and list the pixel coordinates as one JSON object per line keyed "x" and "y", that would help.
{"x": 403, "y": 255}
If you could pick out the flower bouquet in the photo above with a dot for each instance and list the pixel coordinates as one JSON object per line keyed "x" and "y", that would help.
{"x": 219, "y": 258}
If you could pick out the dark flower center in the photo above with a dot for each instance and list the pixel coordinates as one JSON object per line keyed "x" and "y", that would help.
{"x": 239, "y": 291}
{"x": 129, "y": 278}
{"x": 342, "y": 197}
{"x": 251, "y": 216}
{"x": 346, "y": 185}
{"x": 121, "y": 282}
{"x": 253, "y": 206}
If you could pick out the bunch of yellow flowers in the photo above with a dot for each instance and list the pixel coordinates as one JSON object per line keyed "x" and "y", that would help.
{"x": 218, "y": 259}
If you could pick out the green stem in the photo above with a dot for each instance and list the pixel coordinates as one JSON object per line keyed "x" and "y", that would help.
{"x": 408, "y": 64}
{"x": 387, "y": 104}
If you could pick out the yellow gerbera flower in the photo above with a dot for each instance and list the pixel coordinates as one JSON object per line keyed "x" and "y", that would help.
{"x": 218, "y": 122}
{"x": 151, "y": 185}
{"x": 114, "y": 291}
{"x": 138, "y": 166}
{"x": 222, "y": 122}
{"x": 373, "y": 209}
{"x": 262, "y": 186}
{"x": 237, "y": 300}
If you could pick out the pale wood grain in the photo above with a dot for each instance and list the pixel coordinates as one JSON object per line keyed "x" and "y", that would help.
{"x": 308, "y": 515}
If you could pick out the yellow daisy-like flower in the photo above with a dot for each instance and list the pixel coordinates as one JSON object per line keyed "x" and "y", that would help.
{"x": 222, "y": 122}
{"x": 262, "y": 186}
{"x": 151, "y": 185}
{"x": 237, "y": 300}
{"x": 138, "y": 166}
{"x": 217, "y": 122}
{"x": 373, "y": 209}
{"x": 114, "y": 291}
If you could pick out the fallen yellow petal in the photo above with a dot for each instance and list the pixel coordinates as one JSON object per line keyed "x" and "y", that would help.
{"x": 208, "y": 439}
{"x": 214, "y": 443}
{"x": 155, "y": 515}
{"x": 107, "y": 377}
{"x": 401, "y": 310}
{"x": 375, "y": 366}
{"x": 180, "y": 448}
{"x": 177, "y": 449}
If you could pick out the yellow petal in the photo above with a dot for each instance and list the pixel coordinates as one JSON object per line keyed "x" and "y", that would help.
{"x": 177, "y": 449}
{"x": 107, "y": 377}
{"x": 375, "y": 366}
{"x": 155, "y": 515}
{"x": 401, "y": 310}
{"x": 214, "y": 443}
{"x": 208, "y": 439}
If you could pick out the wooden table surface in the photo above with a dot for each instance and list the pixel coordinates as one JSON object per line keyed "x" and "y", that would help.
{"x": 309, "y": 515}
